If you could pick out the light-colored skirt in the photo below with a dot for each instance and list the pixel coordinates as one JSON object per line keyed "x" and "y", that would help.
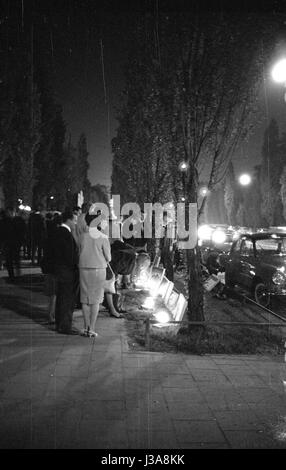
{"x": 92, "y": 285}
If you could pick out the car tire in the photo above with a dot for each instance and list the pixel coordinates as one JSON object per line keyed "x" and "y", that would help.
{"x": 261, "y": 294}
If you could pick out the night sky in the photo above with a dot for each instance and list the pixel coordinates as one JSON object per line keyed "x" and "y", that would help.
{"x": 78, "y": 35}
{"x": 90, "y": 80}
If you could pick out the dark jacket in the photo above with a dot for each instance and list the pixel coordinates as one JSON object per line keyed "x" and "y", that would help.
{"x": 65, "y": 251}
{"x": 9, "y": 231}
{"x": 48, "y": 260}
{"x": 37, "y": 227}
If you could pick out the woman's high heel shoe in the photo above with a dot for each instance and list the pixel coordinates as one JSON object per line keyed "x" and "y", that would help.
{"x": 119, "y": 315}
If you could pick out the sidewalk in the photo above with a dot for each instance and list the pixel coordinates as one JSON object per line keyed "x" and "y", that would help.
{"x": 61, "y": 391}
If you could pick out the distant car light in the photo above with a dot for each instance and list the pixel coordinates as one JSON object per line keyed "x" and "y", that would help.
{"x": 205, "y": 232}
{"x": 218, "y": 236}
{"x": 235, "y": 236}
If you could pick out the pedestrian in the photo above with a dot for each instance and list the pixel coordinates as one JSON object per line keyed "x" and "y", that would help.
{"x": 20, "y": 237}
{"x": 214, "y": 267}
{"x": 37, "y": 234}
{"x": 2, "y": 238}
{"x": 81, "y": 225}
{"x": 79, "y": 228}
{"x": 66, "y": 270}
{"x": 48, "y": 267}
{"x": 95, "y": 254}
{"x": 11, "y": 252}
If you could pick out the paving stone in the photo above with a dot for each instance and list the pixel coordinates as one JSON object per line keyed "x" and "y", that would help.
{"x": 142, "y": 374}
{"x": 178, "y": 381}
{"x": 14, "y": 391}
{"x": 198, "y": 431}
{"x": 261, "y": 396}
{"x": 250, "y": 440}
{"x": 214, "y": 376}
{"x": 138, "y": 362}
{"x": 71, "y": 370}
{"x": 147, "y": 404}
{"x": 103, "y": 409}
{"x": 177, "y": 394}
{"x": 247, "y": 380}
{"x": 228, "y": 360}
{"x": 66, "y": 388}
{"x": 223, "y": 398}
{"x": 236, "y": 369}
{"x": 172, "y": 368}
{"x": 189, "y": 411}
{"x": 139, "y": 419}
{"x": 102, "y": 434}
{"x": 97, "y": 391}
{"x": 142, "y": 386}
{"x": 269, "y": 414}
{"x": 194, "y": 362}
{"x": 142, "y": 439}
{"x": 239, "y": 420}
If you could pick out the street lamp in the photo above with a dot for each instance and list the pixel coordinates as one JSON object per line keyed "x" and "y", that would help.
{"x": 244, "y": 179}
{"x": 183, "y": 166}
{"x": 279, "y": 73}
{"x": 203, "y": 191}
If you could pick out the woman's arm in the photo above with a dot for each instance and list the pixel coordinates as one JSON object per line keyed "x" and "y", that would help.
{"x": 106, "y": 249}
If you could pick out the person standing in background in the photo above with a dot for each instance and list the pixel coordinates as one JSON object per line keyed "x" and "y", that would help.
{"x": 48, "y": 266}
{"x": 66, "y": 270}
{"x": 37, "y": 234}
{"x": 10, "y": 244}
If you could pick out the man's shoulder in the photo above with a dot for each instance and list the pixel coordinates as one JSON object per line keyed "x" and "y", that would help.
{"x": 63, "y": 232}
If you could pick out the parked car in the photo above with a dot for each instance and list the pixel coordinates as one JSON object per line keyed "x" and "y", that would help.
{"x": 257, "y": 264}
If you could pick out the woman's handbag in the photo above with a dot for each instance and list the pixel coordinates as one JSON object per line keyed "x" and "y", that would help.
{"x": 109, "y": 285}
{"x": 109, "y": 273}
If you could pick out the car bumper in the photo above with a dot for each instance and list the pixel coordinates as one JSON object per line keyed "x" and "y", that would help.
{"x": 278, "y": 291}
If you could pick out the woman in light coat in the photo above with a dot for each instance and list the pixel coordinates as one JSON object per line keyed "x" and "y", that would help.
{"x": 95, "y": 253}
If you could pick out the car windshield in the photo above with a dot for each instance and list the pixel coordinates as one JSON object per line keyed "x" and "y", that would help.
{"x": 271, "y": 246}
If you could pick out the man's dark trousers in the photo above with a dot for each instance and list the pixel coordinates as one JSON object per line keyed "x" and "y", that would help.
{"x": 67, "y": 281}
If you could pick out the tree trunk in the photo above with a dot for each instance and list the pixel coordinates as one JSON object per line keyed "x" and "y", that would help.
{"x": 196, "y": 299}
{"x": 195, "y": 310}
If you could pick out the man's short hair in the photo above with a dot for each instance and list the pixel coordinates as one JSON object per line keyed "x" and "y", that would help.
{"x": 67, "y": 215}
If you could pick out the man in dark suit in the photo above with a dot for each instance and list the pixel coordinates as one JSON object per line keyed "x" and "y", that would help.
{"x": 66, "y": 260}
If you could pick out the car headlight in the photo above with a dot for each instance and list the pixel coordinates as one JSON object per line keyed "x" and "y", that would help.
{"x": 218, "y": 236}
{"x": 204, "y": 232}
{"x": 278, "y": 278}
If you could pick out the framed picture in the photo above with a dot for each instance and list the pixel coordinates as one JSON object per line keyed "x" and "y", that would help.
{"x": 211, "y": 282}
{"x": 157, "y": 275}
{"x": 168, "y": 291}
{"x": 180, "y": 308}
{"x": 156, "y": 261}
{"x": 164, "y": 287}
{"x": 172, "y": 301}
